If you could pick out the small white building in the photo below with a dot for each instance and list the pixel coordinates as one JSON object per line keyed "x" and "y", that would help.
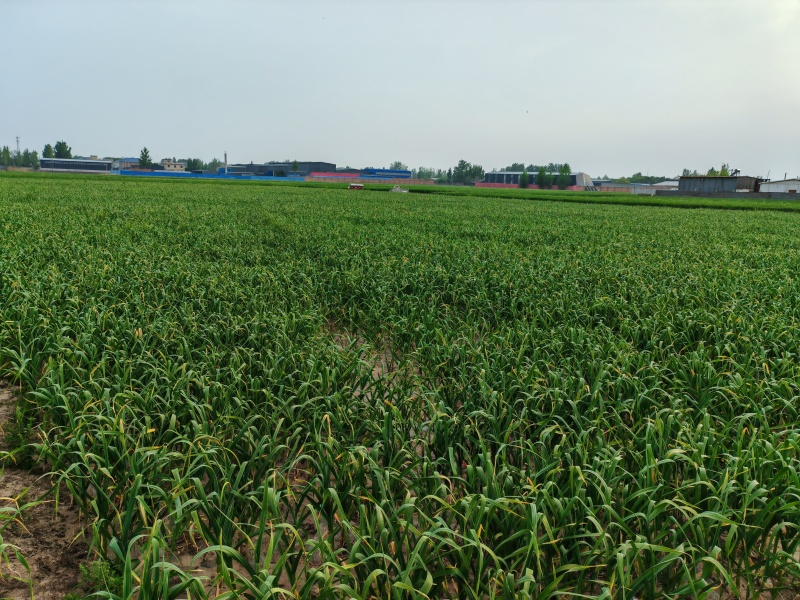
{"x": 666, "y": 185}
{"x": 784, "y": 186}
{"x": 125, "y": 163}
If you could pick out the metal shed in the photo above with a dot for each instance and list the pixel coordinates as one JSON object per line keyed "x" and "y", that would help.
{"x": 711, "y": 184}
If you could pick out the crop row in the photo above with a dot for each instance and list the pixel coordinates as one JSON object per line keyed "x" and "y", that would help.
{"x": 385, "y": 395}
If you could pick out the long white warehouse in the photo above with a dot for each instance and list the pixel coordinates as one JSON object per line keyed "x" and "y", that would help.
{"x": 784, "y": 186}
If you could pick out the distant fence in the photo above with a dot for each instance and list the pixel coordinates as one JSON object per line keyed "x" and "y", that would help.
{"x": 76, "y": 171}
{"x": 371, "y": 179}
{"x": 737, "y": 195}
{"x": 620, "y": 189}
{"x": 184, "y": 175}
{"x": 506, "y": 186}
{"x": 229, "y": 176}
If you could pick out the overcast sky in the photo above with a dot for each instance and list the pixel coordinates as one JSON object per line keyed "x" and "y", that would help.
{"x": 612, "y": 87}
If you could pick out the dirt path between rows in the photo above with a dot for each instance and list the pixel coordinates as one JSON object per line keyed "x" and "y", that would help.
{"x": 50, "y": 540}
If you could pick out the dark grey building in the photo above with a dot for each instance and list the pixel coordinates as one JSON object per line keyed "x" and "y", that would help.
{"x": 711, "y": 185}
{"x": 75, "y": 165}
{"x": 512, "y": 178}
{"x": 274, "y": 168}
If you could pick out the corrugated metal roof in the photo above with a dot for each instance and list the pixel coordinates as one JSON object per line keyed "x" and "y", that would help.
{"x": 83, "y": 160}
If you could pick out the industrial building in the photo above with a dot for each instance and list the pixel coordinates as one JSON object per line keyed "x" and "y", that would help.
{"x": 75, "y": 165}
{"x": 511, "y": 179}
{"x": 669, "y": 184}
{"x": 715, "y": 184}
{"x": 171, "y": 165}
{"x": 132, "y": 164}
{"x": 782, "y": 186}
{"x": 641, "y": 189}
{"x": 123, "y": 164}
{"x": 369, "y": 173}
{"x": 274, "y": 169}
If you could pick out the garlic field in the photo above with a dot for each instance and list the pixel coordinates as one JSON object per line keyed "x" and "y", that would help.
{"x": 339, "y": 394}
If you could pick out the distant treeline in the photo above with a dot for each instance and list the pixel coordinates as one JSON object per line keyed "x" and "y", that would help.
{"x": 197, "y": 164}
{"x": 548, "y": 168}
{"x": 464, "y": 173}
{"x": 724, "y": 171}
{"x": 25, "y": 158}
{"x": 639, "y": 178}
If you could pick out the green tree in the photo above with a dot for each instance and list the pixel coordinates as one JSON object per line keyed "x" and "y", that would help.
{"x": 543, "y": 179}
{"x": 449, "y": 175}
{"x": 5, "y": 156}
{"x": 564, "y": 178}
{"x": 475, "y": 173}
{"x": 145, "y": 162}
{"x": 214, "y": 164}
{"x": 295, "y": 166}
{"x": 62, "y": 150}
{"x": 523, "y": 179}
{"x": 725, "y": 171}
{"x": 398, "y": 166}
{"x": 515, "y": 167}
{"x": 195, "y": 164}
{"x": 35, "y": 160}
{"x": 649, "y": 179}
{"x": 48, "y": 151}
{"x": 460, "y": 171}
{"x": 712, "y": 172}
{"x": 467, "y": 173}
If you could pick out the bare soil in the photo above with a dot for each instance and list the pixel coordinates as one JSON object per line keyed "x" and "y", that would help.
{"x": 51, "y": 539}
